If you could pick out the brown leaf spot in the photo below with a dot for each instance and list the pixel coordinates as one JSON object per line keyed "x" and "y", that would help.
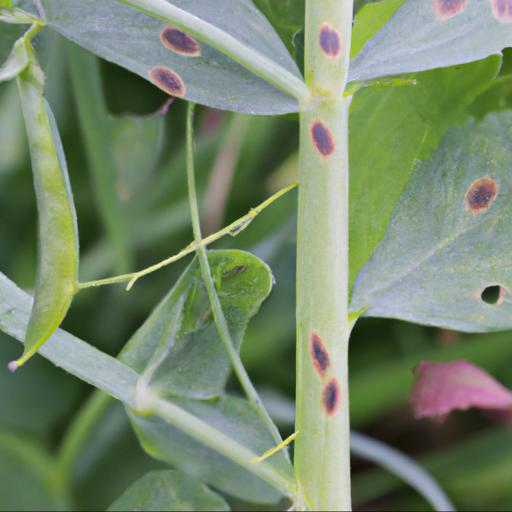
{"x": 330, "y": 41}
{"x": 168, "y": 80}
{"x": 481, "y": 195}
{"x": 180, "y": 42}
{"x": 502, "y": 10}
{"x": 319, "y": 354}
{"x": 331, "y": 397}
{"x": 322, "y": 139}
{"x": 446, "y": 9}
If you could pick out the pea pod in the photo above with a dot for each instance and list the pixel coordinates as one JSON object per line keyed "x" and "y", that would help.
{"x": 57, "y": 268}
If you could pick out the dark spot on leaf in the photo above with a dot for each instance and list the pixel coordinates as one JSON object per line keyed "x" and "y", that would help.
{"x": 235, "y": 271}
{"x": 322, "y": 138}
{"x": 330, "y": 41}
{"x": 331, "y": 396}
{"x": 494, "y": 295}
{"x": 481, "y": 195}
{"x": 502, "y": 10}
{"x": 168, "y": 80}
{"x": 446, "y": 9}
{"x": 319, "y": 354}
{"x": 180, "y": 42}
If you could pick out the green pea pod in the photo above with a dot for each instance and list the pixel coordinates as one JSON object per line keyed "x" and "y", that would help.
{"x": 57, "y": 270}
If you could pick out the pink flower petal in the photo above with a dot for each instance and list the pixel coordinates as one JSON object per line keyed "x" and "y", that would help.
{"x": 443, "y": 387}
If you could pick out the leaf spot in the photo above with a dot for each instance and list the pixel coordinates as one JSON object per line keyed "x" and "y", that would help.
{"x": 235, "y": 271}
{"x": 502, "y": 10}
{"x": 330, "y": 41}
{"x": 319, "y": 354}
{"x": 494, "y": 295}
{"x": 180, "y": 42}
{"x": 322, "y": 139}
{"x": 167, "y": 80}
{"x": 481, "y": 195}
{"x": 331, "y": 397}
{"x": 446, "y": 9}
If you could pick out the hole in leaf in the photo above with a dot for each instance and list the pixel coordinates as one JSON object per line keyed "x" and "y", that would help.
{"x": 494, "y": 295}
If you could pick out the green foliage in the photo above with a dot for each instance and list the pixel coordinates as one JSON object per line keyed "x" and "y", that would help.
{"x": 417, "y": 38}
{"x": 132, "y": 39}
{"x": 168, "y": 491}
{"x": 390, "y": 129}
{"x": 443, "y": 231}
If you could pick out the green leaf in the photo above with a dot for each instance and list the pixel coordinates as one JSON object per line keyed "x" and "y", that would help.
{"x": 179, "y": 341}
{"x": 236, "y": 418}
{"x": 389, "y": 130}
{"x": 168, "y": 491}
{"x": 369, "y": 20}
{"x": 136, "y": 144}
{"x": 418, "y": 37}
{"x": 448, "y": 239}
{"x": 132, "y": 39}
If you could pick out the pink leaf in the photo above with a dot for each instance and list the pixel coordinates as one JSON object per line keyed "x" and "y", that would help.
{"x": 443, "y": 387}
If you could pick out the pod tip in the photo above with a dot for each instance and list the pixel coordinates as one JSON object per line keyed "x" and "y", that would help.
{"x": 13, "y": 366}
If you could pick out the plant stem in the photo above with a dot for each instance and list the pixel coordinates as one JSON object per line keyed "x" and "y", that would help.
{"x": 148, "y": 402}
{"x": 251, "y": 59}
{"x": 218, "y": 314}
{"x": 322, "y": 450}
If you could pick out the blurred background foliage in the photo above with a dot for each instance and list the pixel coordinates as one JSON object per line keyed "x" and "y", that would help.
{"x": 241, "y": 160}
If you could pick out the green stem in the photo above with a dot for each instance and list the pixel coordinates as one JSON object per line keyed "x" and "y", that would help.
{"x": 218, "y": 314}
{"x": 245, "y": 55}
{"x": 97, "y": 135}
{"x": 148, "y": 402}
{"x": 322, "y": 450}
{"x": 77, "y": 435}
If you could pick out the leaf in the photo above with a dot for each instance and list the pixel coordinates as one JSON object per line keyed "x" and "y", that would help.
{"x": 180, "y": 340}
{"x": 132, "y": 39}
{"x": 445, "y": 257}
{"x": 236, "y": 418}
{"x": 384, "y": 386}
{"x": 369, "y": 20}
{"x": 179, "y": 349}
{"x": 136, "y": 144}
{"x": 168, "y": 491}
{"x": 389, "y": 130}
{"x": 441, "y": 388}
{"x": 428, "y": 34}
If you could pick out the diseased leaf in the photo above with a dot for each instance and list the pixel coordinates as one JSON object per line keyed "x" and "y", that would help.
{"x": 236, "y": 418}
{"x": 134, "y": 40}
{"x": 390, "y": 129}
{"x": 168, "y": 491}
{"x": 441, "y": 388}
{"x": 428, "y": 34}
{"x": 180, "y": 340}
{"x": 15, "y": 63}
{"x": 445, "y": 259}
